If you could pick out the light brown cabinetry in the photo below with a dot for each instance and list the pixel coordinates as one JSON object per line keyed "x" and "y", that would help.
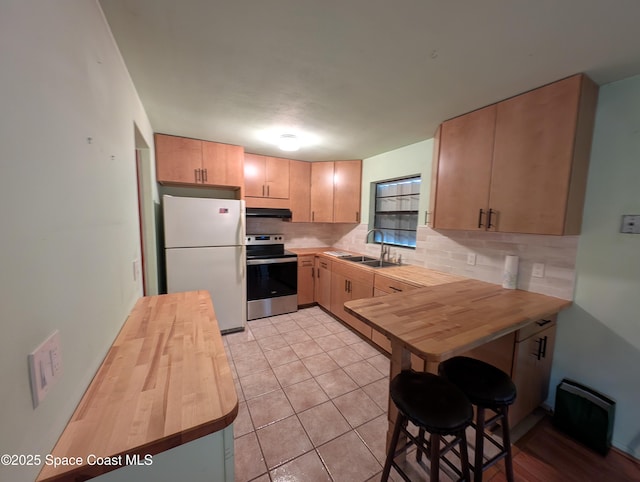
{"x": 180, "y": 160}
{"x": 532, "y": 359}
{"x": 266, "y": 177}
{"x": 306, "y": 271}
{"x": 300, "y": 191}
{"x": 335, "y": 191}
{"x": 322, "y": 192}
{"x": 464, "y": 170}
{"x": 222, "y": 164}
{"x": 322, "y": 286}
{"x": 520, "y": 165}
{"x": 346, "y": 195}
{"x": 498, "y": 353}
{"x": 384, "y": 285}
{"x": 350, "y": 283}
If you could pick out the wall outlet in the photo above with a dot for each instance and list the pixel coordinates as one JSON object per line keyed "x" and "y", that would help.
{"x": 538, "y": 270}
{"x": 471, "y": 259}
{"x": 45, "y": 367}
{"x": 630, "y": 224}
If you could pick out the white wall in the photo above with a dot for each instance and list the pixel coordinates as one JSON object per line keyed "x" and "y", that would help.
{"x": 599, "y": 336}
{"x": 68, "y": 209}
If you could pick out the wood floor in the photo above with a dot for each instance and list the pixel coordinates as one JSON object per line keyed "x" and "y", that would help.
{"x": 546, "y": 455}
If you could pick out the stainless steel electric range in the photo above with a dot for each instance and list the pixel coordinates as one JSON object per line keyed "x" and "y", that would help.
{"x": 272, "y": 276}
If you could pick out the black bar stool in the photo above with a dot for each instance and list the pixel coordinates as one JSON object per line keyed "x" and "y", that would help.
{"x": 433, "y": 404}
{"x": 488, "y": 388}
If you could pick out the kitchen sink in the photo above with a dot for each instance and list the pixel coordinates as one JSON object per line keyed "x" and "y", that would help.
{"x": 368, "y": 261}
{"x": 376, "y": 263}
{"x": 358, "y": 259}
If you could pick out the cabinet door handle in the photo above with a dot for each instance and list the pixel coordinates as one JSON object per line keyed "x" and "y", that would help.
{"x": 349, "y": 284}
{"x": 346, "y": 286}
{"x": 263, "y": 190}
{"x": 480, "y": 218}
{"x": 395, "y": 289}
{"x": 267, "y": 190}
{"x": 195, "y": 174}
{"x": 491, "y": 212}
{"x": 313, "y": 216}
{"x": 543, "y": 322}
{"x": 542, "y": 348}
{"x": 318, "y": 273}
{"x": 313, "y": 272}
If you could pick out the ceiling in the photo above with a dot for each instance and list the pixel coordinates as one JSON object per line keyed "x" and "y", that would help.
{"x": 361, "y": 76}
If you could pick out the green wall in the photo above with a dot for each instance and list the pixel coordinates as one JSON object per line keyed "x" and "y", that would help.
{"x": 405, "y": 161}
{"x": 599, "y": 336}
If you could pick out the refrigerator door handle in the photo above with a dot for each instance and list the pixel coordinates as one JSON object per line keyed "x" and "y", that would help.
{"x": 243, "y": 224}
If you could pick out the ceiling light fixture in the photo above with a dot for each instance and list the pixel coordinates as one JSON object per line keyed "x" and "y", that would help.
{"x": 289, "y": 142}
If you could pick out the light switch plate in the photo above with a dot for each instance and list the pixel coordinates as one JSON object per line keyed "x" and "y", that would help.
{"x": 630, "y": 224}
{"x": 136, "y": 269}
{"x": 471, "y": 259}
{"x": 45, "y": 367}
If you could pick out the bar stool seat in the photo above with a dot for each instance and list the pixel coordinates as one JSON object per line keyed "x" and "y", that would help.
{"x": 434, "y": 405}
{"x": 487, "y": 387}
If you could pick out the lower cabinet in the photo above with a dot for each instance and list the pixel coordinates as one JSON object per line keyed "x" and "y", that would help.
{"x": 322, "y": 284}
{"x": 306, "y": 271}
{"x": 210, "y": 457}
{"x": 350, "y": 283}
{"x": 384, "y": 285}
{"x": 498, "y": 353}
{"x": 532, "y": 359}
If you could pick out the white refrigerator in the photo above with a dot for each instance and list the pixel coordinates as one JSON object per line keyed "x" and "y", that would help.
{"x": 204, "y": 243}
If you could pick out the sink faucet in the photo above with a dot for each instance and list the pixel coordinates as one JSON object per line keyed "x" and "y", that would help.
{"x": 381, "y": 242}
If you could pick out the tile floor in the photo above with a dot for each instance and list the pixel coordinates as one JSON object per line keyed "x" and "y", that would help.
{"x": 313, "y": 401}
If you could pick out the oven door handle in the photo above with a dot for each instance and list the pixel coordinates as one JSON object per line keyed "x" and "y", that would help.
{"x": 252, "y": 262}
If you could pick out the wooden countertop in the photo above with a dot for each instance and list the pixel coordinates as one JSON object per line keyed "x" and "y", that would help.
{"x": 309, "y": 251}
{"x": 164, "y": 382}
{"x": 417, "y": 275}
{"x": 442, "y": 321}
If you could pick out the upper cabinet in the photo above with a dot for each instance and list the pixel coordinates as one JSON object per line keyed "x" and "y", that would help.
{"x": 464, "y": 170}
{"x": 519, "y": 166}
{"x": 322, "y": 192}
{"x": 347, "y": 178}
{"x": 222, "y": 164}
{"x": 266, "y": 177}
{"x": 180, "y": 160}
{"x": 335, "y": 191}
{"x": 300, "y": 191}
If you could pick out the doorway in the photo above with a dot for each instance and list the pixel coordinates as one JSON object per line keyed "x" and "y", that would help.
{"x": 148, "y": 264}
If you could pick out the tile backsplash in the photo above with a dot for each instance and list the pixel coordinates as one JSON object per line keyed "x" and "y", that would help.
{"x": 447, "y": 251}
{"x": 297, "y": 235}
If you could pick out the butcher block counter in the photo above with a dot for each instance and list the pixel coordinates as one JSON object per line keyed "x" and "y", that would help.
{"x": 450, "y": 319}
{"x": 165, "y": 382}
{"x": 440, "y": 322}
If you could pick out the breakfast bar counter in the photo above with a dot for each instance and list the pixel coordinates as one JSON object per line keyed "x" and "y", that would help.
{"x": 443, "y": 321}
{"x": 165, "y": 383}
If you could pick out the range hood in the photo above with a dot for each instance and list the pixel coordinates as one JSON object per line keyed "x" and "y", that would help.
{"x": 268, "y": 213}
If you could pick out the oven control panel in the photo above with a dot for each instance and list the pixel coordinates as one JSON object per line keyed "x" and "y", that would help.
{"x": 253, "y": 239}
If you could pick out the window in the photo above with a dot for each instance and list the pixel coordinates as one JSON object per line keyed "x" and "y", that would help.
{"x": 396, "y": 211}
